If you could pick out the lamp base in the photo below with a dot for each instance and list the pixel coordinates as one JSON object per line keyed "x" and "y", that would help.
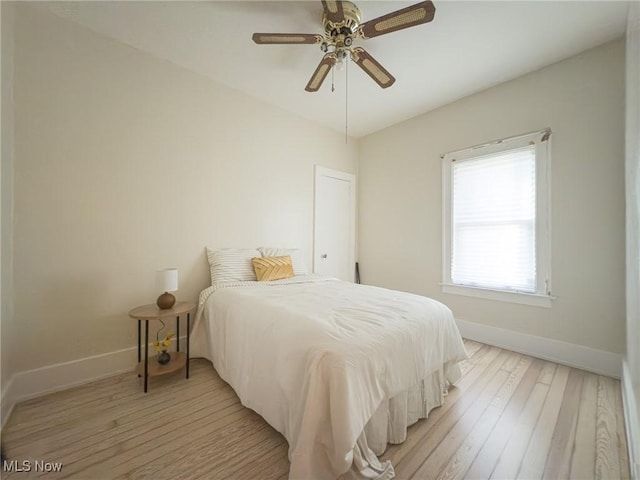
{"x": 165, "y": 301}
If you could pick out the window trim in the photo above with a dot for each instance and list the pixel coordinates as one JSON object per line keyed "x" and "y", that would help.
{"x": 542, "y": 297}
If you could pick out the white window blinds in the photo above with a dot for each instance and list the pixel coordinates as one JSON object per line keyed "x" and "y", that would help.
{"x": 493, "y": 221}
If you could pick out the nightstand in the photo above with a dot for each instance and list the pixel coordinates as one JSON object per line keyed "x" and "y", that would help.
{"x": 178, "y": 359}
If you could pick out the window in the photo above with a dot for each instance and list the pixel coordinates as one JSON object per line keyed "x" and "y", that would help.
{"x": 496, "y": 215}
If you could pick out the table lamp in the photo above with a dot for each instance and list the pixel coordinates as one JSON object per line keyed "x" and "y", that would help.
{"x": 167, "y": 281}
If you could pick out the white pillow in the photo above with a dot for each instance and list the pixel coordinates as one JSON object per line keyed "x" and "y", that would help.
{"x": 231, "y": 264}
{"x": 299, "y": 266}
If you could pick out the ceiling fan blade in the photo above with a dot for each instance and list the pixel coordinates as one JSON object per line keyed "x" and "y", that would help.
{"x": 286, "y": 38}
{"x": 417, "y": 14}
{"x": 328, "y": 61}
{"x": 377, "y": 72}
{"x": 333, "y": 10}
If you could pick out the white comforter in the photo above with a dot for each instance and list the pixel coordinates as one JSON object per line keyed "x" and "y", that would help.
{"x": 316, "y": 357}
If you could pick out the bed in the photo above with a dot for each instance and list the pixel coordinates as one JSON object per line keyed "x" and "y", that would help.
{"x": 340, "y": 369}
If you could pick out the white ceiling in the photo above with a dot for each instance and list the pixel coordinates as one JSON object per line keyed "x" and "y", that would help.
{"x": 469, "y": 46}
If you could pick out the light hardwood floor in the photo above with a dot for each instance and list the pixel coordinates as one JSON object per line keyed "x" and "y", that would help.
{"x": 510, "y": 416}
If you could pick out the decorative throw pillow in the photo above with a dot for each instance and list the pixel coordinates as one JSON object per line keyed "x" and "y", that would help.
{"x": 231, "y": 264}
{"x": 299, "y": 267}
{"x": 272, "y": 268}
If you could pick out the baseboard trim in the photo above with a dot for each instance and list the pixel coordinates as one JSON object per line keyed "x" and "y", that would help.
{"x": 631, "y": 421}
{"x": 579, "y": 356}
{"x": 53, "y": 378}
{"x": 6, "y": 406}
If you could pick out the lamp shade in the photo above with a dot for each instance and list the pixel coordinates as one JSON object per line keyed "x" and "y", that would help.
{"x": 167, "y": 280}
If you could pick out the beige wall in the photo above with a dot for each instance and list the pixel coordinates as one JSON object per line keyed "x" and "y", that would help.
{"x": 632, "y": 356}
{"x": 582, "y": 100}
{"x": 125, "y": 164}
{"x": 7, "y": 335}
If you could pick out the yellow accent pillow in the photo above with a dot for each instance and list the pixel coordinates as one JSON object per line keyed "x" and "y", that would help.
{"x": 272, "y": 268}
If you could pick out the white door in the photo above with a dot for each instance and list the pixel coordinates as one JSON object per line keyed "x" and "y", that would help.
{"x": 334, "y": 229}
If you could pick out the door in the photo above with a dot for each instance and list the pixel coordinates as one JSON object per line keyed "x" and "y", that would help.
{"x": 334, "y": 228}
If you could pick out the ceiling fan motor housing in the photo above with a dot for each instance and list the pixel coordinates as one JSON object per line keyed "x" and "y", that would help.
{"x": 348, "y": 26}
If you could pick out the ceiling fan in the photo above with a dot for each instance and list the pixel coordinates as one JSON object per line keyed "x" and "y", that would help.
{"x": 341, "y": 21}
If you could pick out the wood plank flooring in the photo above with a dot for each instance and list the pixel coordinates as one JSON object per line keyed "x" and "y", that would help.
{"x": 509, "y": 417}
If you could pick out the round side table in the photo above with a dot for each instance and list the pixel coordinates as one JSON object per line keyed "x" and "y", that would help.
{"x": 178, "y": 359}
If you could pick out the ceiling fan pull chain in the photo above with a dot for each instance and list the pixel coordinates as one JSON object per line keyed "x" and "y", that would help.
{"x": 333, "y": 87}
{"x": 346, "y": 102}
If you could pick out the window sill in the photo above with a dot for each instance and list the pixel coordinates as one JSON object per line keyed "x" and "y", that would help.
{"x": 532, "y": 299}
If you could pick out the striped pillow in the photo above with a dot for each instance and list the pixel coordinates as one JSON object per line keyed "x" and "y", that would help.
{"x": 272, "y": 268}
{"x": 231, "y": 264}
{"x": 299, "y": 267}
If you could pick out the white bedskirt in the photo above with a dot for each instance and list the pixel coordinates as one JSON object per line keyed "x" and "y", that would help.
{"x": 392, "y": 418}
